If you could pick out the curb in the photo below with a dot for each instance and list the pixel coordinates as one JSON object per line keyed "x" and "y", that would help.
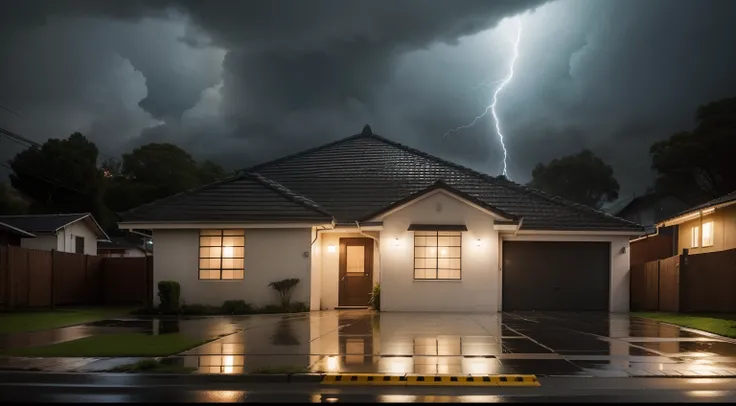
{"x": 431, "y": 380}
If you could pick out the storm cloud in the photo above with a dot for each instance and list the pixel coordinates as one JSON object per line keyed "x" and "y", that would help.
{"x": 241, "y": 82}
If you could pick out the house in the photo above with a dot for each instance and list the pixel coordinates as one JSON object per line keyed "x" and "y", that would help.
{"x": 121, "y": 247}
{"x": 76, "y": 232}
{"x": 364, "y": 210}
{"x": 708, "y": 227}
{"x": 650, "y": 208}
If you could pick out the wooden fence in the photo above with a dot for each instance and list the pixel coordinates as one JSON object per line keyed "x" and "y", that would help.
{"x": 692, "y": 283}
{"x": 654, "y": 248}
{"x": 34, "y": 278}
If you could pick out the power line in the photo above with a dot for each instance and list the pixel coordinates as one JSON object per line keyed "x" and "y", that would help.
{"x": 9, "y": 110}
{"x": 46, "y": 179}
{"x": 21, "y": 138}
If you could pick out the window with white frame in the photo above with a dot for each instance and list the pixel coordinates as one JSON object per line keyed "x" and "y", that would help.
{"x": 694, "y": 237}
{"x": 708, "y": 234}
{"x": 221, "y": 254}
{"x": 437, "y": 255}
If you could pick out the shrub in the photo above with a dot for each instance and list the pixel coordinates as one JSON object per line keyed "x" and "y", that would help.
{"x": 268, "y": 309}
{"x": 200, "y": 310}
{"x": 168, "y": 294}
{"x": 284, "y": 289}
{"x": 236, "y": 307}
{"x": 375, "y": 301}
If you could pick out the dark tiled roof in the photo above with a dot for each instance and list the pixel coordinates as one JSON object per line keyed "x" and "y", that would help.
{"x": 353, "y": 179}
{"x": 723, "y": 199}
{"x": 41, "y": 223}
{"x": 246, "y": 197}
{"x": 360, "y": 175}
{"x": 7, "y": 228}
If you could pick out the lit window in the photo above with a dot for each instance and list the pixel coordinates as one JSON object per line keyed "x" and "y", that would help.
{"x": 221, "y": 254}
{"x": 707, "y": 234}
{"x": 695, "y": 233}
{"x": 437, "y": 255}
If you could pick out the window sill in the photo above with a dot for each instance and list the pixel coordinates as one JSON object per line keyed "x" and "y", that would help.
{"x": 437, "y": 280}
{"x": 221, "y": 280}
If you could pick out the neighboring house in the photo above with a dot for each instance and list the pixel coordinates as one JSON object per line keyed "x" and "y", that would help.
{"x": 650, "y": 209}
{"x": 77, "y": 232}
{"x": 365, "y": 210}
{"x": 708, "y": 227}
{"x": 10, "y": 235}
{"x": 121, "y": 247}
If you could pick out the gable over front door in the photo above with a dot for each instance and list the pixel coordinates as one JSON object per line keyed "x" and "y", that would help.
{"x": 356, "y": 271}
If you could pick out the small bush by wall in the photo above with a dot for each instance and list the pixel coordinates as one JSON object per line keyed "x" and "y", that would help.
{"x": 168, "y": 294}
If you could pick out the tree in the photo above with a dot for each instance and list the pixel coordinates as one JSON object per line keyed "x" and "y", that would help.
{"x": 583, "y": 178}
{"x": 10, "y": 203}
{"x": 60, "y": 176}
{"x": 154, "y": 171}
{"x": 696, "y": 166}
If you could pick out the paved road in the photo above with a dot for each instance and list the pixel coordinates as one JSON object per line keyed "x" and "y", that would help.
{"x": 127, "y": 388}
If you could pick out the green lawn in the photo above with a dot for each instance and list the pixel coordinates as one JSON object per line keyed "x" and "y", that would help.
{"x": 112, "y": 345}
{"x": 19, "y": 322}
{"x": 724, "y": 325}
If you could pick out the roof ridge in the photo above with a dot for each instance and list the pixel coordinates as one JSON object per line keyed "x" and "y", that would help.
{"x": 501, "y": 182}
{"x": 288, "y": 193}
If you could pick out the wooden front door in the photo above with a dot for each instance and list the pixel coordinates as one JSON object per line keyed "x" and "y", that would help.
{"x": 356, "y": 271}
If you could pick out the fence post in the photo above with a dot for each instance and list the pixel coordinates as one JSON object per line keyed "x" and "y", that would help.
{"x": 6, "y": 251}
{"x": 659, "y": 285}
{"x": 149, "y": 283}
{"x": 53, "y": 279}
{"x": 28, "y": 276}
{"x": 86, "y": 279}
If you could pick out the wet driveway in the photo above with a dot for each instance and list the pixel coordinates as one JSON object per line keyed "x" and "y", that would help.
{"x": 542, "y": 343}
{"x": 547, "y": 344}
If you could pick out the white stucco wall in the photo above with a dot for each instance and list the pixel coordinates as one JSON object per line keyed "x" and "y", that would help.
{"x": 41, "y": 242}
{"x": 81, "y": 229}
{"x": 330, "y": 265}
{"x": 619, "y": 282}
{"x": 270, "y": 255}
{"x": 477, "y": 290}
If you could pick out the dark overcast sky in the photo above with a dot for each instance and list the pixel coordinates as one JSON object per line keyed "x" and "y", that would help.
{"x": 241, "y": 82}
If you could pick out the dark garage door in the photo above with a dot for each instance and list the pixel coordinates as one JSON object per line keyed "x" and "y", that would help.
{"x": 556, "y": 275}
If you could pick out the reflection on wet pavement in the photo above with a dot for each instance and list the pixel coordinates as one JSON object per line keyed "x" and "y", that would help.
{"x": 542, "y": 343}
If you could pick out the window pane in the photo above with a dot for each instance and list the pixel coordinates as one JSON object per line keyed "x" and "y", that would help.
{"x": 455, "y": 263}
{"x": 210, "y": 232}
{"x": 233, "y": 232}
{"x": 238, "y": 274}
{"x": 431, "y": 241}
{"x": 210, "y": 241}
{"x": 453, "y": 252}
{"x": 238, "y": 252}
{"x": 227, "y": 274}
{"x": 707, "y": 234}
{"x": 420, "y": 252}
{"x": 455, "y": 241}
{"x": 443, "y": 274}
{"x": 209, "y": 274}
{"x": 443, "y": 241}
{"x": 355, "y": 259}
{"x": 695, "y": 235}
{"x": 420, "y": 241}
{"x": 233, "y": 241}
{"x": 232, "y": 263}
{"x": 430, "y": 252}
{"x": 209, "y": 263}
{"x": 430, "y": 273}
{"x": 209, "y": 252}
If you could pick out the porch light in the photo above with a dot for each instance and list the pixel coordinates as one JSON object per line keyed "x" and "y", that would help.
{"x": 477, "y": 243}
{"x": 397, "y": 241}
{"x": 331, "y": 248}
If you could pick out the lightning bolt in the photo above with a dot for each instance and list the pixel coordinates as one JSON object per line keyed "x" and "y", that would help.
{"x": 494, "y": 103}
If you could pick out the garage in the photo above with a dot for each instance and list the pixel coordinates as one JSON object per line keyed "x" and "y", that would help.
{"x": 566, "y": 276}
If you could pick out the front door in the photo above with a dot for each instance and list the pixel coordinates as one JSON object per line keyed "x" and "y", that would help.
{"x": 356, "y": 271}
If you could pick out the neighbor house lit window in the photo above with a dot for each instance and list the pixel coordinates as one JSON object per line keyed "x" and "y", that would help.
{"x": 707, "y": 234}
{"x": 694, "y": 237}
{"x": 437, "y": 255}
{"x": 221, "y": 254}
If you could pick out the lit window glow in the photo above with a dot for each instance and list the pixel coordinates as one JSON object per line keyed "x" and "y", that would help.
{"x": 694, "y": 237}
{"x": 707, "y": 234}
{"x": 221, "y": 254}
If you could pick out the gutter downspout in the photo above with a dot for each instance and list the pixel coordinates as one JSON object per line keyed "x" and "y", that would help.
{"x": 378, "y": 246}
{"x": 521, "y": 221}
{"x": 317, "y": 230}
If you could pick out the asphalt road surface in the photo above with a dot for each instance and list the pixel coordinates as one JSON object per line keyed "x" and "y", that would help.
{"x": 40, "y": 387}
